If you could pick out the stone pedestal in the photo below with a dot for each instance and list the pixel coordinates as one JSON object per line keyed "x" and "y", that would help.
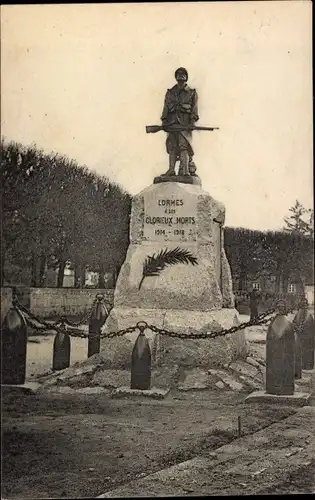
{"x": 181, "y": 297}
{"x": 184, "y": 179}
{"x": 297, "y": 399}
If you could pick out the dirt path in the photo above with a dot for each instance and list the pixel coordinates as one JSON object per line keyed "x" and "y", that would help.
{"x": 83, "y": 446}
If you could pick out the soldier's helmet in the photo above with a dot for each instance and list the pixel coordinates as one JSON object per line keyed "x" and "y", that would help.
{"x": 181, "y": 73}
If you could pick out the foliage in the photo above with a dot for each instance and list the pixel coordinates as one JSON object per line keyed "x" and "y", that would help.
{"x": 301, "y": 221}
{"x": 244, "y": 252}
{"x": 272, "y": 254}
{"x": 57, "y": 212}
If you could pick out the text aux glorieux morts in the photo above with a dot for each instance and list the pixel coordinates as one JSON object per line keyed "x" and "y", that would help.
{"x": 170, "y": 218}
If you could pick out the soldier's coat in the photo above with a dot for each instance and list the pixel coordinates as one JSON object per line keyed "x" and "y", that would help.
{"x": 180, "y": 106}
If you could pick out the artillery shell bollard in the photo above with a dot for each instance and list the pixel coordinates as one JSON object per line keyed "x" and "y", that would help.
{"x": 297, "y": 356}
{"x": 308, "y": 342}
{"x": 97, "y": 320}
{"x": 298, "y": 323}
{"x": 61, "y": 351}
{"x": 141, "y": 362}
{"x": 280, "y": 364}
{"x": 13, "y": 346}
{"x": 280, "y": 345}
{"x": 306, "y": 334}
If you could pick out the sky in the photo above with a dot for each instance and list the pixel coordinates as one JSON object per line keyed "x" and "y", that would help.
{"x": 85, "y": 79}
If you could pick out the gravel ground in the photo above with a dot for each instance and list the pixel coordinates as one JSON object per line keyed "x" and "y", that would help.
{"x": 83, "y": 446}
{"x": 277, "y": 459}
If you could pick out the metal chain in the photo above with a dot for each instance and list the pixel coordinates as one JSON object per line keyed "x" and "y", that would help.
{"x": 84, "y": 318}
{"x": 109, "y": 335}
{"x": 119, "y": 333}
{"x": 63, "y": 325}
{"x": 62, "y": 319}
{"x": 260, "y": 320}
{"x": 30, "y": 318}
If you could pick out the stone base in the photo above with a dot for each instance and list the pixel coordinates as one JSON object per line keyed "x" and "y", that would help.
{"x": 195, "y": 225}
{"x": 296, "y": 399}
{"x": 153, "y": 393}
{"x": 169, "y": 350}
{"x": 184, "y": 179}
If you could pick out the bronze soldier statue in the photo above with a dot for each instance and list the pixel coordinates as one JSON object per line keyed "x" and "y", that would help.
{"x": 181, "y": 108}
{"x": 180, "y": 113}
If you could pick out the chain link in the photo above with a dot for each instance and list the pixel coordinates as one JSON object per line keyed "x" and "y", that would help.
{"x": 84, "y": 318}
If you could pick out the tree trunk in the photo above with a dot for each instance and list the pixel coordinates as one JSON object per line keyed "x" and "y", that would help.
{"x": 33, "y": 270}
{"x": 61, "y": 272}
{"x": 77, "y": 276}
{"x": 42, "y": 271}
{"x": 2, "y": 268}
{"x": 82, "y": 276}
{"x": 242, "y": 280}
{"x": 285, "y": 283}
{"x": 300, "y": 286}
{"x": 101, "y": 280}
{"x": 278, "y": 278}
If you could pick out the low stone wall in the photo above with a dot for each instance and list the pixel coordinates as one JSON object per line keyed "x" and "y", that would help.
{"x": 45, "y": 302}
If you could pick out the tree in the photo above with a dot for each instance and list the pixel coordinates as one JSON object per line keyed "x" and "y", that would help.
{"x": 110, "y": 231}
{"x": 18, "y": 191}
{"x": 55, "y": 213}
{"x": 301, "y": 221}
{"x": 272, "y": 254}
{"x": 276, "y": 246}
{"x": 244, "y": 252}
{"x": 301, "y": 227}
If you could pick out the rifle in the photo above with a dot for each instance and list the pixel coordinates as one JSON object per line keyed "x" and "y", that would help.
{"x": 176, "y": 127}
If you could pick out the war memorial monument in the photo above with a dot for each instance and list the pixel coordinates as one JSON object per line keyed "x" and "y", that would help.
{"x": 176, "y": 274}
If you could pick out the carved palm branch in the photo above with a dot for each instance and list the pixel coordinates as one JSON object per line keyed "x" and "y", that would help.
{"x": 154, "y": 264}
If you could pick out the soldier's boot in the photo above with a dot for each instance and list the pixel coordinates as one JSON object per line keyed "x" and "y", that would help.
{"x": 184, "y": 158}
{"x": 192, "y": 166}
{"x": 172, "y": 163}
